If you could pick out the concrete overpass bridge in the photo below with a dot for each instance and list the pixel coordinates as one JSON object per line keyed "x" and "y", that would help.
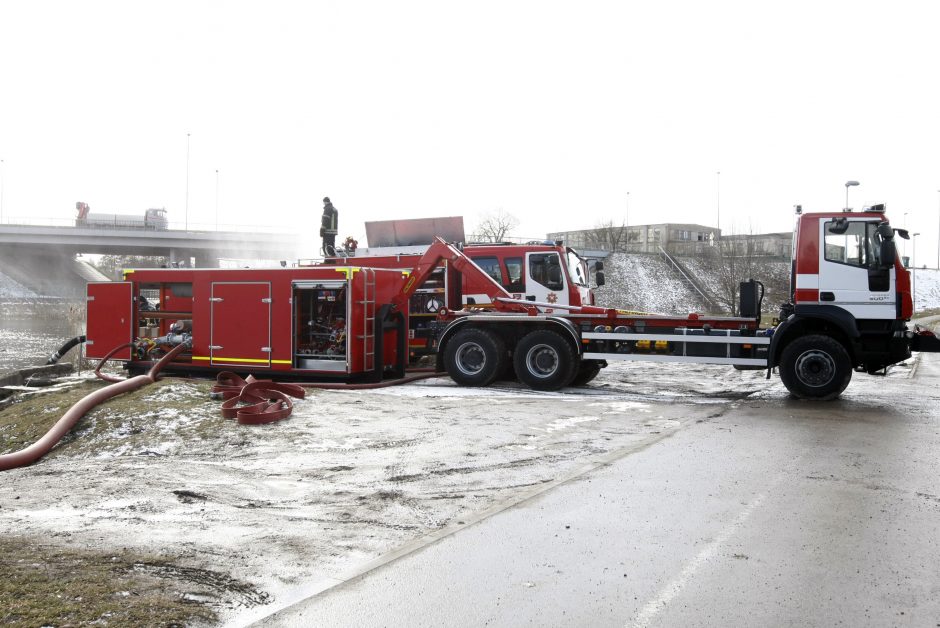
{"x": 43, "y": 257}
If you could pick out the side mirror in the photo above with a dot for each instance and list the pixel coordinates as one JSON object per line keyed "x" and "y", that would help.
{"x": 839, "y": 226}
{"x": 885, "y": 231}
{"x": 599, "y": 278}
{"x": 598, "y": 265}
{"x": 889, "y": 253}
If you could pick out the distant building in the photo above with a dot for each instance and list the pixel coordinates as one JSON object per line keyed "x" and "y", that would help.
{"x": 763, "y": 244}
{"x": 675, "y": 238}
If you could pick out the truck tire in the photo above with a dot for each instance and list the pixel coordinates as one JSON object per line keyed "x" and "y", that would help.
{"x": 543, "y": 360}
{"x": 587, "y": 370}
{"x": 475, "y": 357}
{"x": 815, "y": 367}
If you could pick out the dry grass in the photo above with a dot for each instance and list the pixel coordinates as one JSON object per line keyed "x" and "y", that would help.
{"x": 42, "y": 584}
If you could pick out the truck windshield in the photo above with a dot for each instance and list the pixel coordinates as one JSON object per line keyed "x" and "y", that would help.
{"x": 576, "y": 268}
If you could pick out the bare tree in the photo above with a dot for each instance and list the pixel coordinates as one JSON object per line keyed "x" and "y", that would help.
{"x": 495, "y": 226}
{"x": 609, "y": 236}
{"x": 111, "y": 265}
{"x": 734, "y": 263}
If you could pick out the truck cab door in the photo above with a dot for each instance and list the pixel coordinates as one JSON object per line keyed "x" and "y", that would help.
{"x": 545, "y": 278}
{"x": 851, "y": 273}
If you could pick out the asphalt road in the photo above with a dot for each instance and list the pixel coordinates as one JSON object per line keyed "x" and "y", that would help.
{"x": 774, "y": 513}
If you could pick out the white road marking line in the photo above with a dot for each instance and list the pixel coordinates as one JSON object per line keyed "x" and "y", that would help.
{"x": 671, "y": 590}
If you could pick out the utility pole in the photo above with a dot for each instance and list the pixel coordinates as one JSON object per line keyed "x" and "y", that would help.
{"x": 216, "y": 199}
{"x": 718, "y": 203}
{"x": 186, "y": 220}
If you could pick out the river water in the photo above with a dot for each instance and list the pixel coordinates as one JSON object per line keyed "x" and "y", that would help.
{"x": 32, "y": 329}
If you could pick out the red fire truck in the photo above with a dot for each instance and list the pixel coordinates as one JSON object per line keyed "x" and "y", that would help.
{"x": 547, "y": 273}
{"x": 850, "y": 302}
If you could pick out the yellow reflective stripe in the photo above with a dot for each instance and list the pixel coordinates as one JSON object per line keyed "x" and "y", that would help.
{"x": 349, "y": 271}
{"x": 252, "y": 360}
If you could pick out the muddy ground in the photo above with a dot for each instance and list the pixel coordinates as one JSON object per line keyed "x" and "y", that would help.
{"x": 243, "y": 520}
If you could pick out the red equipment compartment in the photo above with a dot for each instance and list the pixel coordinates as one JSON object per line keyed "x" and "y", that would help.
{"x": 305, "y": 322}
{"x": 241, "y": 324}
{"x": 110, "y": 319}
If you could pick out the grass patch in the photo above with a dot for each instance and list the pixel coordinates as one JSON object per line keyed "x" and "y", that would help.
{"x": 128, "y": 420}
{"x": 42, "y": 584}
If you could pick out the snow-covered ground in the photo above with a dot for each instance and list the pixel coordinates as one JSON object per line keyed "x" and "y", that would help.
{"x": 926, "y": 288}
{"x": 645, "y": 283}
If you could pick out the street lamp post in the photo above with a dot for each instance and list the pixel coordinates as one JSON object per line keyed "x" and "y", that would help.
{"x": 186, "y": 219}
{"x": 848, "y": 184}
{"x": 904, "y": 244}
{"x": 1, "y": 191}
{"x": 216, "y": 199}
{"x": 914, "y": 271}
{"x": 938, "y": 234}
{"x": 718, "y": 201}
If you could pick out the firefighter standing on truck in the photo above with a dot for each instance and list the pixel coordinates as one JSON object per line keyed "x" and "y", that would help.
{"x": 329, "y": 224}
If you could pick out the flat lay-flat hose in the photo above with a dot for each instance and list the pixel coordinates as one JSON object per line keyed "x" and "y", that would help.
{"x": 269, "y": 401}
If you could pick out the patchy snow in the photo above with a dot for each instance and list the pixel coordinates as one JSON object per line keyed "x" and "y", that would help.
{"x": 349, "y": 476}
{"x": 645, "y": 283}
{"x": 926, "y": 288}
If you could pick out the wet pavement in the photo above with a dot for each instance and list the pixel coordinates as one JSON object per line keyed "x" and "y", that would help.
{"x": 773, "y": 512}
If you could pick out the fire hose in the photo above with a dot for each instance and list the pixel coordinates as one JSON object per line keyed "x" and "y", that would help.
{"x": 267, "y": 401}
{"x": 55, "y": 357}
{"x": 62, "y": 427}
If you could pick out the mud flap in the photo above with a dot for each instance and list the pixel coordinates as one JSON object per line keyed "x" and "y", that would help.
{"x": 924, "y": 340}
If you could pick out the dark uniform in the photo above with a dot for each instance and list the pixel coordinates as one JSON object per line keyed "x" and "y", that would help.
{"x": 329, "y": 224}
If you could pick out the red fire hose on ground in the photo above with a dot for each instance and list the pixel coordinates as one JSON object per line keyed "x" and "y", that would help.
{"x": 41, "y": 447}
{"x": 267, "y": 401}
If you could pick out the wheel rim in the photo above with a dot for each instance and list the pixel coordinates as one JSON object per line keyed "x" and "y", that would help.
{"x": 815, "y": 368}
{"x": 542, "y": 361}
{"x": 470, "y": 358}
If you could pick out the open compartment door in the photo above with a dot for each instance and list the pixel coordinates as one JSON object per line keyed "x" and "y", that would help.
{"x": 110, "y": 319}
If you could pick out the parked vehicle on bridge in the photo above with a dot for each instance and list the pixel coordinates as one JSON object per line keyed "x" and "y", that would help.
{"x": 154, "y": 219}
{"x": 850, "y": 303}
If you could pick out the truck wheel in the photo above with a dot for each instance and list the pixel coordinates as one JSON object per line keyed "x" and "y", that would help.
{"x": 543, "y": 360}
{"x": 815, "y": 367}
{"x": 475, "y": 357}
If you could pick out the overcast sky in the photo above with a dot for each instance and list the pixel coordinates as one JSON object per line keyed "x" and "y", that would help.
{"x": 555, "y": 112}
